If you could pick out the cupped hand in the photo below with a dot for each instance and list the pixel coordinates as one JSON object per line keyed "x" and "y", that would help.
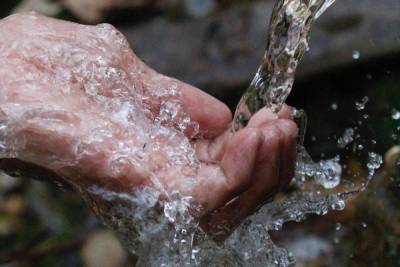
{"x": 75, "y": 100}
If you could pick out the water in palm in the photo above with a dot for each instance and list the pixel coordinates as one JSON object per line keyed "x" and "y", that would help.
{"x": 169, "y": 236}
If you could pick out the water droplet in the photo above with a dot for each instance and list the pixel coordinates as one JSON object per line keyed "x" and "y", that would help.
{"x": 338, "y": 226}
{"x": 395, "y": 114}
{"x": 364, "y": 225}
{"x": 356, "y": 55}
{"x": 347, "y": 138}
{"x": 329, "y": 173}
{"x": 339, "y": 204}
{"x": 374, "y": 162}
{"x": 334, "y": 106}
{"x": 361, "y": 105}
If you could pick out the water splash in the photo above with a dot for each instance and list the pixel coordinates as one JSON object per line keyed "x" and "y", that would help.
{"x": 167, "y": 235}
{"x": 346, "y": 138}
{"x": 356, "y": 55}
{"x": 395, "y": 114}
{"x": 287, "y": 42}
{"x": 176, "y": 239}
{"x": 361, "y": 104}
{"x": 158, "y": 225}
{"x": 374, "y": 162}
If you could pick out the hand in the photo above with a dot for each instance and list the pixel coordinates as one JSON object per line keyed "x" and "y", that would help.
{"x": 75, "y": 100}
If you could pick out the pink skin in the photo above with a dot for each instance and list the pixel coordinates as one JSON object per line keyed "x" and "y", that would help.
{"x": 48, "y": 69}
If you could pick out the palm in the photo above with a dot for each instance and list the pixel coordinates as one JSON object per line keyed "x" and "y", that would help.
{"x": 77, "y": 101}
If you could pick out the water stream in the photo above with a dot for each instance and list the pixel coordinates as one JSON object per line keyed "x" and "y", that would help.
{"x": 167, "y": 233}
{"x": 169, "y": 236}
{"x": 287, "y": 41}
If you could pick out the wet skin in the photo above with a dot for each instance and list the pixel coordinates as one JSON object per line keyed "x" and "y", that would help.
{"x": 62, "y": 86}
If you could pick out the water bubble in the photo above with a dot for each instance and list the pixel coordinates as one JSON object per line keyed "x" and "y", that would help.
{"x": 374, "y": 162}
{"x": 338, "y": 226}
{"x": 364, "y": 224}
{"x": 395, "y": 114}
{"x": 170, "y": 211}
{"x": 334, "y": 106}
{"x": 347, "y": 138}
{"x": 329, "y": 173}
{"x": 338, "y": 205}
{"x": 361, "y": 105}
{"x": 356, "y": 55}
{"x": 322, "y": 211}
{"x": 277, "y": 224}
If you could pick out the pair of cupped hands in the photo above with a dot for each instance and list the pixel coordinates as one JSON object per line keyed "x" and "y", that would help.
{"x": 72, "y": 97}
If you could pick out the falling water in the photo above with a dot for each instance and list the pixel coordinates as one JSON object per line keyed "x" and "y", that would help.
{"x": 166, "y": 234}
{"x": 288, "y": 35}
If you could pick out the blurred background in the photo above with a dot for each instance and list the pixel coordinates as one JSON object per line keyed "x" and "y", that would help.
{"x": 217, "y": 46}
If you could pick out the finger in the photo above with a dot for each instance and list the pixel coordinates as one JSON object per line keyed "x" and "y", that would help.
{"x": 262, "y": 117}
{"x": 212, "y": 115}
{"x": 265, "y": 182}
{"x": 237, "y": 165}
{"x": 286, "y": 112}
{"x": 265, "y": 116}
{"x": 275, "y": 165}
{"x": 288, "y": 152}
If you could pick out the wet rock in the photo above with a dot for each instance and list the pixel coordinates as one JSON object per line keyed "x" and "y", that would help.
{"x": 222, "y": 52}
